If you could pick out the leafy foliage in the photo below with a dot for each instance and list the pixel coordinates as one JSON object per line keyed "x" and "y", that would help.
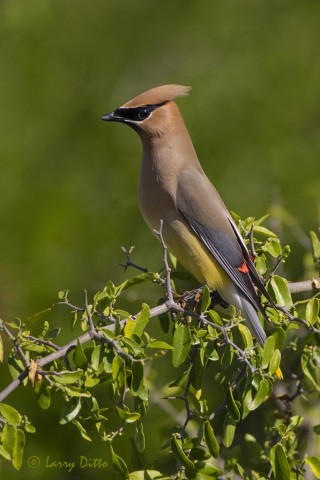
{"x": 210, "y": 348}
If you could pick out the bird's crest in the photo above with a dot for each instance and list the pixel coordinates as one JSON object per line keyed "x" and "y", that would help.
{"x": 158, "y": 95}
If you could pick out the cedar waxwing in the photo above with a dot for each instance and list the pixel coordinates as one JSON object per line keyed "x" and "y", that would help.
{"x": 197, "y": 227}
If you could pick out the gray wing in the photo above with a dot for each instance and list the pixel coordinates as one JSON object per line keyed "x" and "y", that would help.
{"x": 204, "y": 210}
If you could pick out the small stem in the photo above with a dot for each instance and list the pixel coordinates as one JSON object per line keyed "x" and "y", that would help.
{"x": 165, "y": 263}
{"x": 129, "y": 262}
{"x": 91, "y": 326}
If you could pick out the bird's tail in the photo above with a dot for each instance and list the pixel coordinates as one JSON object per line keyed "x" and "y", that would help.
{"x": 253, "y": 321}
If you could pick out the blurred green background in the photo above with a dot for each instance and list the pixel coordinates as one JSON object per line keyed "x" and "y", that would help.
{"x": 68, "y": 181}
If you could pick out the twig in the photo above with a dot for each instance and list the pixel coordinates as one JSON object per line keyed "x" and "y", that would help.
{"x": 91, "y": 326}
{"x": 41, "y": 341}
{"x": 292, "y": 318}
{"x": 16, "y": 345}
{"x": 129, "y": 262}
{"x": 165, "y": 262}
{"x": 166, "y": 405}
{"x": 274, "y": 269}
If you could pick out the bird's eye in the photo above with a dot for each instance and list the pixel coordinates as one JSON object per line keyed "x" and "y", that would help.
{"x": 143, "y": 113}
{"x": 136, "y": 114}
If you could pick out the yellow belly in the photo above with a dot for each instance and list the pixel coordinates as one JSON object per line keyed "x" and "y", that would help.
{"x": 183, "y": 243}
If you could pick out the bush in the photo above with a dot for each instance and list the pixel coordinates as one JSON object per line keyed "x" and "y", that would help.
{"x": 228, "y": 414}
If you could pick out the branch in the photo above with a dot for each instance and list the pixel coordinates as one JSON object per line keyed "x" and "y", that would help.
{"x": 306, "y": 286}
{"x": 170, "y": 305}
{"x": 64, "y": 350}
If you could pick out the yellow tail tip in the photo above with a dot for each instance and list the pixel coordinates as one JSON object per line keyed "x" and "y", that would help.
{"x": 279, "y": 373}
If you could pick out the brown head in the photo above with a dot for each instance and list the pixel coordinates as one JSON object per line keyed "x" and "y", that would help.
{"x": 153, "y": 112}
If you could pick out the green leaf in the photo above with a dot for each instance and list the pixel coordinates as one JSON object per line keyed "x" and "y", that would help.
{"x": 210, "y": 439}
{"x": 232, "y": 405}
{"x": 32, "y": 347}
{"x": 15, "y": 324}
{"x": 121, "y": 314}
{"x": 229, "y": 430}
{"x": 315, "y": 243}
{"x": 30, "y": 428}
{"x": 245, "y": 335}
{"x": 70, "y": 410}
{"x": 54, "y": 332}
{"x": 160, "y": 344}
{"x": 141, "y": 278}
{"x": 96, "y": 357}
{"x": 8, "y": 438}
{"x": 227, "y": 357}
{"x": 261, "y": 395}
{"x": 10, "y": 414}
{"x": 1, "y": 349}
{"x": 137, "y": 378}
{"x": 127, "y": 416}
{"x": 148, "y": 475}
{"x": 117, "y": 463}
{"x": 44, "y": 397}
{"x": 310, "y": 371}
{"x": 253, "y": 445}
{"x": 280, "y": 287}
{"x": 268, "y": 351}
{"x": 72, "y": 391}
{"x": 215, "y": 317}
{"x": 295, "y": 422}
{"x": 18, "y": 449}
{"x": 206, "y": 299}
{"x": 37, "y": 316}
{"x": 91, "y": 382}
{"x": 15, "y": 366}
{"x": 312, "y": 310}
{"x": 204, "y": 471}
{"x": 273, "y": 247}
{"x": 132, "y": 346}
{"x": 178, "y": 452}
{"x": 261, "y": 265}
{"x": 279, "y": 463}
{"x": 4, "y": 454}
{"x": 63, "y": 294}
{"x": 139, "y": 438}
{"x": 118, "y": 371}
{"x": 137, "y": 326}
{"x": 79, "y": 357}
{"x": 83, "y": 432}
{"x": 198, "y": 368}
{"x": 279, "y": 338}
{"x": 264, "y": 231}
{"x": 314, "y": 464}
{"x": 275, "y": 362}
{"x": 181, "y": 344}
{"x": 66, "y": 377}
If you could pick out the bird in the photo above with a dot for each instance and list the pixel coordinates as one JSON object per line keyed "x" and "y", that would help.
{"x": 197, "y": 227}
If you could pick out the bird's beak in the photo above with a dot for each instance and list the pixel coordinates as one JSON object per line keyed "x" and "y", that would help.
{"x": 111, "y": 117}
